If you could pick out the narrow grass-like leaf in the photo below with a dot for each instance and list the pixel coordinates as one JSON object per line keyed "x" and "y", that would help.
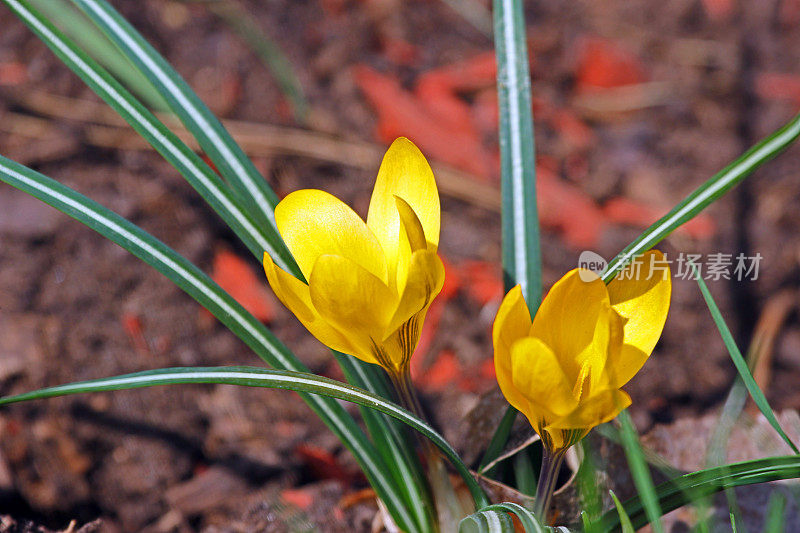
{"x": 487, "y": 522}
{"x": 522, "y": 257}
{"x": 685, "y": 489}
{"x": 524, "y": 473}
{"x": 498, "y": 441}
{"x": 624, "y": 519}
{"x": 391, "y": 441}
{"x": 521, "y": 250}
{"x": 304, "y": 382}
{"x": 707, "y": 193}
{"x": 204, "y": 180}
{"x": 494, "y": 514}
{"x": 200, "y": 287}
{"x": 740, "y": 364}
{"x": 775, "y": 521}
{"x": 269, "y": 52}
{"x": 586, "y": 482}
{"x": 640, "y": 472}
{"x": 85, "y": 33}
{"x": 249, "y": 185}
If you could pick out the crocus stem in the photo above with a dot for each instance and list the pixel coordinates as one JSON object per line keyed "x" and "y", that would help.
{"x": 551, "y": 465}
{"x": 448, "y": 507}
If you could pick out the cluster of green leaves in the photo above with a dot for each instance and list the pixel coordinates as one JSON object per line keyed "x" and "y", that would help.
{"x": 245, "y": 202}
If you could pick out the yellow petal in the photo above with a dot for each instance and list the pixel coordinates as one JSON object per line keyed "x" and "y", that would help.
{"x": 644, "y": 304}
{"x": 424, "y": 281}
{"x": 411, "y": 238}
{"x": 513, "y": 321}
{"x": 411, "y": 225}
{"x": 596, "y": 410}
{"x": 295, "y": 295}
{"x": 352, "y": 300}
{"x": 315, "y": 223}
{"x": 593, "y": 361}
{"x": 567, "y": 320}
{"x": 406, "y": 174}
{"x": 537, "y": 375}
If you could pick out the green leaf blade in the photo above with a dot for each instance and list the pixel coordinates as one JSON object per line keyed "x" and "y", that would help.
{"x": 304, "y": 382}
{"x": 521, "y": 247}
{"x": 739, "y": 362}
{"x": 640, "y": 471}
{"x": 685, "y": 489}
{"x": 707, "y": 193}
{"x": 202, "y": 178}
{"x": 198, "y": 119}
{"x": 208, "y": 294}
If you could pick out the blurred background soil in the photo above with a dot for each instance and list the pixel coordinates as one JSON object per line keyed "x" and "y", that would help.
{"x": 636, "y": 103}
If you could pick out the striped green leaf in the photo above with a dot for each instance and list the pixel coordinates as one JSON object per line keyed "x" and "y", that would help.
{"x": 707, "y": 193}
{"x": 685, "y": 489}
{"x": 521, "y": 250}
{"x": 200, "y": 287}
{"x": 85, "y": 33}
{"x": 522, "y": 261}
{"x": 204, "y": 180}
{"x": 392, "y": 441}
{"x": 250, "y": 187}
{"x": 304, "y": 382}
{"x": 496, "y": 519}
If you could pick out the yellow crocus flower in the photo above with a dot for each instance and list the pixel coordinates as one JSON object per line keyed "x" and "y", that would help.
{"x": 369, "y": 284}
{"x": 564, "y": 369}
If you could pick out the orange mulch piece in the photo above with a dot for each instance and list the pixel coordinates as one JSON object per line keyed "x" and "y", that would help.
{"x": 439, "y": 135}
{"x": 604, "y": 64}
{"x": 779, "y": 86}
{"x": 399, "y": 51}
{"x": 625, "y": 211}
{"x": 565, "y": 207}
{"x": 13, "y": 73}
{"x": 298, "y": 497}
{"x": 132, "y": 324}
{"x": 719, "y": 10}
{"x": 235, "y": 276}
{"x": 484, "y": 280}
{"x": 445, "y": 371}
{"x": 323, "y": 463}
{"x": 357, "y": 497}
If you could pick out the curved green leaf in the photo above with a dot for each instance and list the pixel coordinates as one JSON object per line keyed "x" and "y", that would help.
{"x": 391, "y": 441}
{"x": 250, "y": 186}
{"x": 686, "y": 489}
{"x": 487, "y": 522}
{"x": 261, "y": 377}
{"x": 204, "y": 180}
{"x": 624, "y": 519}
{"x": 495, "y": 519}
{"x": 741, "y": 365}
{"x": 707, "y": 193}
{"x": 203, "y": 289}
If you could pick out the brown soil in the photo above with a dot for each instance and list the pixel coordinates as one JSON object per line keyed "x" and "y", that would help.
{"x": 216, "y": 458}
